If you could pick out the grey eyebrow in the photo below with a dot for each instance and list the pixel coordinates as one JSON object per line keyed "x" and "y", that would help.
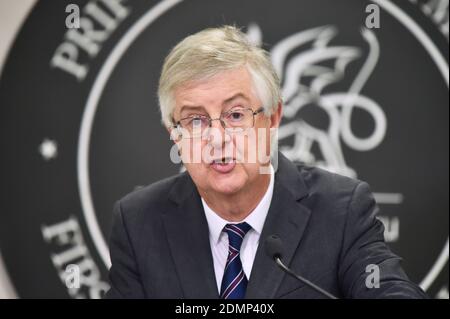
{"x": 192, "y": 107}
{"x": 201, "y": 108}
{"x": 234, "y": 97}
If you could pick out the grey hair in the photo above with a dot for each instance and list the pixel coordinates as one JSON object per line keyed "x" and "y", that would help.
{"x": 209, "y": 52}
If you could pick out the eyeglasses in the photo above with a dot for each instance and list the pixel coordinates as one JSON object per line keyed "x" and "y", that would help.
{"x": 237, "y": 118}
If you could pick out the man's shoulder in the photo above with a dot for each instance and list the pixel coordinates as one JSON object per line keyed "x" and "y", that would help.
{"x": 317, "y": 177}
{"x": 153, "y": 197}
{"x": 333, "y": 199}
{"x": 326, "y": 184}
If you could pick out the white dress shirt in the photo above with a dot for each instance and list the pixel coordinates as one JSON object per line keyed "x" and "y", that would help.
{"x": 219, "y": 239}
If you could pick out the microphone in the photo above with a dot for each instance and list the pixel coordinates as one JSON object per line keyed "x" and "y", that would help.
{"x": 274, "y": 249}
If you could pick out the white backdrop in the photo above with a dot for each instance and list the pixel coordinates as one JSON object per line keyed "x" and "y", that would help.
{"x": 12, "y": 15}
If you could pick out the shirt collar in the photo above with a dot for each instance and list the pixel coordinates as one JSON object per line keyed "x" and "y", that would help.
{"x": 255, "y": 219}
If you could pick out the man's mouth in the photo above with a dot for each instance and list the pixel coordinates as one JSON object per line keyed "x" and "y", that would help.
{"x": 223, "y": 160}
{"x": 223, "y": 165}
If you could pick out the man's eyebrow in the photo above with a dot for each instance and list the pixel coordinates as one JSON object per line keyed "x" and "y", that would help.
{"x": 191, "y": 108}
{"x": 201, "y": 108}
{"x": 236, "y": 96}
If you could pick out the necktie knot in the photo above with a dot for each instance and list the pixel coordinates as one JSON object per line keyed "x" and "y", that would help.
{"x": 236, "y": 234}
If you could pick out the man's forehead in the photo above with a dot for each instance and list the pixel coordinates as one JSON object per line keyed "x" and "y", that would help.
{"x": 228, "y": 79}
{"x": 216, "y": 91}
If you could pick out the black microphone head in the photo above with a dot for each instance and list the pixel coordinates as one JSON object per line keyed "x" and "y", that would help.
{"x": 274, "y": 246}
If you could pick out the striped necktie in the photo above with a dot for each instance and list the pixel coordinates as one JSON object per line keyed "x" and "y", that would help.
{"x": 234, "y": 282}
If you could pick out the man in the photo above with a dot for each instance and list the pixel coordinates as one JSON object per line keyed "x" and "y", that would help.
{"x": 201, "y": 234}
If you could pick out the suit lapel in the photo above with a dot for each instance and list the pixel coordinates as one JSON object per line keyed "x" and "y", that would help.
{"x": 188, "y": 237}
{"x": 287, "y": 218}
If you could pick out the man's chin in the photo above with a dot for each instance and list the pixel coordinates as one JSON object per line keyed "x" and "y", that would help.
{"x": 226, "y": 187}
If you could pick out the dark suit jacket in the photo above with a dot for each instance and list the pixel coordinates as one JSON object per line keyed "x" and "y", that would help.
{"x": 160, "y": 244}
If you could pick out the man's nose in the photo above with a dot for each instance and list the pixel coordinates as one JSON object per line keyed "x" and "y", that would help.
{"x": 220, "y": 123}
{"x": 217, "y": 135}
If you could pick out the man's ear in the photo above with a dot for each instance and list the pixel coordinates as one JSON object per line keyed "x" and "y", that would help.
{"x": 174, "y": 133}
{"x": 275, "y": 118}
